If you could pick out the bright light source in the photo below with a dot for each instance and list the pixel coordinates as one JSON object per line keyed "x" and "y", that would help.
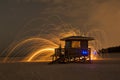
{"x": 84, "y": 52}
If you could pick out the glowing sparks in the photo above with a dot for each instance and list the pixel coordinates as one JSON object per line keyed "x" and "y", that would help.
{"x": 38, "y": 53}
{"x": 41, "y": 46}
{"x": 38, "y": 40}
{"x": 93, "y": 57}
{"x": 94, "y": 54}
{"x": 70, "y": 33}
{"x": 38, "y": 43}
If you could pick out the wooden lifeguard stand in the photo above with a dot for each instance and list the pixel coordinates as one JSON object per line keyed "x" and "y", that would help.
{"x": 75, "y": 50}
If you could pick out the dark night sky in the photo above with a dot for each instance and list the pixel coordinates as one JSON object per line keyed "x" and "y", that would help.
{"x": 87, "y": 14}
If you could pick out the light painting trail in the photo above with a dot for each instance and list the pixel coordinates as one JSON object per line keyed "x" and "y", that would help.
{"x": 38, "y": 53}
{"x": 45, "y": 41}
{"x": 27, "y": 41}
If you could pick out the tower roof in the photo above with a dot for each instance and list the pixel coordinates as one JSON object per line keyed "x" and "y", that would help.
{"x": 77, "y": 38}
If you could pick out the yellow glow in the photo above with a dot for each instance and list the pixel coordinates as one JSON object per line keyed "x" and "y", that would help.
{"x": 38, "y": 52}
{"x": 70, "y": 33}
{"x": 48, "y": 46}
{"x": 28, "y": 40}
{"x": 93, "y": 57}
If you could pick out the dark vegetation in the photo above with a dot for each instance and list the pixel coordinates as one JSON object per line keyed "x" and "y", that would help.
{"x": 115, "y": 49}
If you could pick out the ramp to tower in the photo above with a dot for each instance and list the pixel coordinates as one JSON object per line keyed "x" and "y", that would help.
{"x": 58, "y": 60}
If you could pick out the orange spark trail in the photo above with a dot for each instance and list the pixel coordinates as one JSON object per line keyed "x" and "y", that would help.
{"x": 38, "y": 53}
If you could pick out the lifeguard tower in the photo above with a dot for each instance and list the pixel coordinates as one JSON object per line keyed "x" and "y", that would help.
{"x": 75, "y": 50}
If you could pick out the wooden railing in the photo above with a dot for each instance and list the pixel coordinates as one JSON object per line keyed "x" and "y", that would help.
{"x": 71, "y": 52}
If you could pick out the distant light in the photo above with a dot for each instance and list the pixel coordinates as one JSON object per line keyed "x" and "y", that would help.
{"x": 94, "y": 52}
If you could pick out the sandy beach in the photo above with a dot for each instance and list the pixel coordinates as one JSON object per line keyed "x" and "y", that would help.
{"x": 98, "y": 70}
